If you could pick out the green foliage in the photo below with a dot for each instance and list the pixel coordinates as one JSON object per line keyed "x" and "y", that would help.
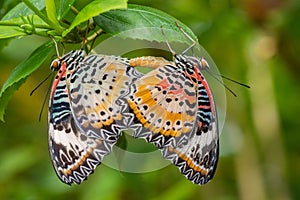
{"x": 63, "y": 7}
{"x": 46, "y": 18}
{"x": 9, "y": 32}
{"x": 21, "y": 72}
{"x": 148, "y": 21}
{"x": 22, "y": 10}
{"x": 51, "y": 11}
{"x": 93, "y": 9}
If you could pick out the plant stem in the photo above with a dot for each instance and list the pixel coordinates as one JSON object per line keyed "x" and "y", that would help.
{"x": 74, "y": 10}
{"x": 96, "y": 34}
{"x": 18, "y": 24}
{"x": 58, "y": 28}
{"x": 41, "y": 33}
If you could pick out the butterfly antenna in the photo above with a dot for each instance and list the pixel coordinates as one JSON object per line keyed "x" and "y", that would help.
{"x": 242, "y": 84}
{"x": 225, "y": 86}
{"x": 239, "y": 83}
{"x": 56, "y": 45}
{"x": 44, "y": 102}
{"x": 39, "y": 84}
{"x": 188, "y": 37}
{"x": 164, "y": 35}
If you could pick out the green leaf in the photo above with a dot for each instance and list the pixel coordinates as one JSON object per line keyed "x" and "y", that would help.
{"x": 93, "y": 9}
{"x": 141, "y": 22}
{"x": 63, "y": 8}
{"x": 21, "y": 72}
{"x": 10, "y": 31}
{"x": 51, "y": 11}
{"x": 22, "y": 10}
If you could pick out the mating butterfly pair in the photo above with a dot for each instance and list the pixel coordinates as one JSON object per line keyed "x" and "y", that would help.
{"x": 94, "y": 98}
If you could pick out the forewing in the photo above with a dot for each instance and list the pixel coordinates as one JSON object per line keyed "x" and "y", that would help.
{"x": 95, "y": 90}
{"x": 164, "y": 103}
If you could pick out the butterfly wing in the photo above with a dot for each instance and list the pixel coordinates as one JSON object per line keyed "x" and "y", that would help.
{"x": 175, "y": 107}
{"x": 95, "y": 90}
{"x": 198, "y": 158}
{"x": 164, "y": 103}
{"x": 73, "y": 154}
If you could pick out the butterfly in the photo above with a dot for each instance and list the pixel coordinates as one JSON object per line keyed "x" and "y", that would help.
{"x": 85, "y": 107}
{"x": 174, "y": 109}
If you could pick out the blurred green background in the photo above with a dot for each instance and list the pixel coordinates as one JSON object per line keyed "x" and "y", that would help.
{"x": 252, "y": 41}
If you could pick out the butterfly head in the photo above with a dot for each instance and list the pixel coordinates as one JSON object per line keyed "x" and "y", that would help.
{"x": 74, "y": 57}
{"x": 200, "y": 63}
{"x": 192, "y": 62}
{"x": 55, "y": 65}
